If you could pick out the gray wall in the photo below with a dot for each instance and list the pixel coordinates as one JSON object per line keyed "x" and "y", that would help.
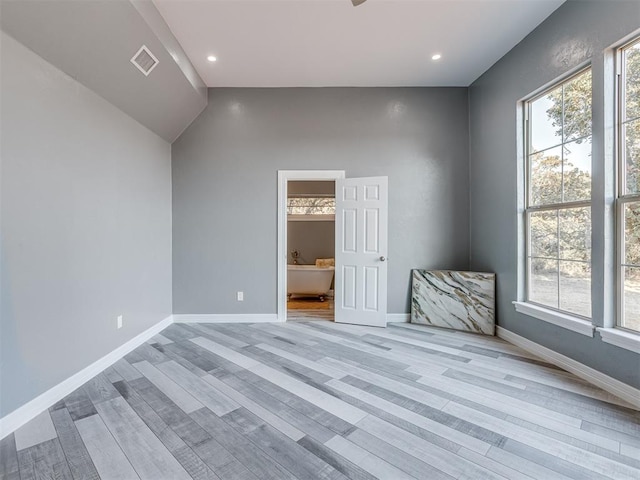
{"x": 577, "y": 33}
{"x": 312, "y": 239}
{"x": 225, "y": 183}
{"x": 85, "y": 222}
{"x": 311, "y": 187}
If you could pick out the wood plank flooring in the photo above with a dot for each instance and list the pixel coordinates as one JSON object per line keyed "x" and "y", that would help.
{"x": 318, "y": 400}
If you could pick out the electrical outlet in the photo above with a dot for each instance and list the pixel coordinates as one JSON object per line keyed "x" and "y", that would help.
{"x": 119, "y": 321}
{"x": 240, "y": 296}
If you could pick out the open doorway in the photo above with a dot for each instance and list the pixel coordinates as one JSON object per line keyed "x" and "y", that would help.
{"x": 311, "y": 249}
{"x": 361, "y": 236}
{"x": 306, "y": 245}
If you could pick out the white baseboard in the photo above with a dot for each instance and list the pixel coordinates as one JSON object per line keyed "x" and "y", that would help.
{"x": 226, "y": 318}
{"x": 35, "y": 407}
{"x": 258, "y": 318}
{"x": 398, "y": 317}
{"x": 611, "y": 385}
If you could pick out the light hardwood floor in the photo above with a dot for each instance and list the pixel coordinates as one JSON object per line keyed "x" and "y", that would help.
{"x": 318, "y": 400}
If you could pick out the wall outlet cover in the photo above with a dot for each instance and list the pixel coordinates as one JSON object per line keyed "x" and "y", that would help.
{"x": 119, "y": 321}
{"x": 240, "y": 296}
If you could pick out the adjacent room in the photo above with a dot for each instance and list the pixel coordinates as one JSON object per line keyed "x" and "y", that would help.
{"x": 311, "y": 207}
{"x": 320, "y": 239}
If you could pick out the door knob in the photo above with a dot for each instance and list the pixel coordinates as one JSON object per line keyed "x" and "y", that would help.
{"x": 383, "y": 258}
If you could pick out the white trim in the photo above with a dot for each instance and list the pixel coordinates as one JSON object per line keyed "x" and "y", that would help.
{"x": 620, "y": 338}
{"x": 295, "y": 217}
{"x": 226, "y": 318}
{"x": 35, "y": 407}
{"x": 583, "y": 327}
{"x": 283, "y": 177}
{"x": 398, "y": 317}
{"x": 611, "y": 385}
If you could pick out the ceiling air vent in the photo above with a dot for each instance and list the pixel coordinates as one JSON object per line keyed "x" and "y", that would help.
{"x": 144, "y": 60}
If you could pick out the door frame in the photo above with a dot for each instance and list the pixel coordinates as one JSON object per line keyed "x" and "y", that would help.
{"x": 284, "y": 176}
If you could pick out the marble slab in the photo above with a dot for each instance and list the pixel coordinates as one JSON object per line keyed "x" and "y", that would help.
{"x": 451, "y": 299}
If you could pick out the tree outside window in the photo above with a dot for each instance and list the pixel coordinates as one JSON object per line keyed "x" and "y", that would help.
{"x": 628, "y": 204}
{"x": 559, "y": 197}
{"x": 311, "y": 205}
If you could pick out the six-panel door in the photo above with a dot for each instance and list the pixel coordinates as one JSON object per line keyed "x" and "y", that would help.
{"x": 361, "y": 251}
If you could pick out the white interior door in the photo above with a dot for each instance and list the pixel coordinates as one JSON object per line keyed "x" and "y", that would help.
{"x": 361, "y": 251}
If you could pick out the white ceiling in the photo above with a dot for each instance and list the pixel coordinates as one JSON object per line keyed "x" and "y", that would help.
{"x": 313, "y": 43}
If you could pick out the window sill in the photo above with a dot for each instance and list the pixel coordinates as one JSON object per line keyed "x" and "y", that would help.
{"x": 563, "y": 320}
{"x": 294, "y": 217}
{"x": 620, "y": 338}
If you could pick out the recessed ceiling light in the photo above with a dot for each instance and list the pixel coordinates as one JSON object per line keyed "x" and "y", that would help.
{"x": 211, "y": 58}
{"x": 437, "y": 56}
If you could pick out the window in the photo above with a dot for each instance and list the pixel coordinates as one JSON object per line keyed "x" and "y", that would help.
{"x": 628, "y": 202}
{"x": 558, "y": 196}
{"x": 312, "y": 205}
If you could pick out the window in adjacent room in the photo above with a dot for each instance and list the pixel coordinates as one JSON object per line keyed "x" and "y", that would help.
{"x": 628, "y": 202}
{"x": 558, "y": 202}
{"x": 311, "y": 207}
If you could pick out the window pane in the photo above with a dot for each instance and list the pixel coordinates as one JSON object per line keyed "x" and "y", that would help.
{"x": 631, "y": 318}
{"x": 543, "y": 282}
{"x": 632, "y": 233}
{"x": 546, "y": 121}
{"x": 546, "y": 177}
{"x": 577, "y": 170}
{"x": 575, "y": 234}
{"x": 559, "y": 172}
{"x": 575, "y": 288}
{"x": 544, "y": 234}
{"x": 577, "y": 107}
{"x": 632, "y": 81}
{"x": 311, "y": 205}
{"x": 632, "y": 155}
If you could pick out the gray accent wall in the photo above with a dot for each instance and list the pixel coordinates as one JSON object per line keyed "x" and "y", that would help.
{"x": 578, "y": 33}
{"x": 312, "y": 239}
{"x": 311, "y": 187}
{"x": 225, "y": 183}
{"x": 86, "y": 226}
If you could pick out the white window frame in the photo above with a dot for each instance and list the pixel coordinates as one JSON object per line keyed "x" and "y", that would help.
{"x": 622, "y": 197}
{"x": 618, "y": 335}
{"x": 556, "y": 316}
